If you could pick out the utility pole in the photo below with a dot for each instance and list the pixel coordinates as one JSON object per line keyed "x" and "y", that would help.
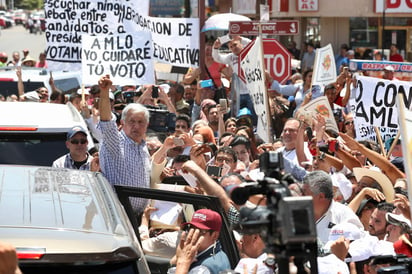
{"x": 383, "y": 26}
{"x": 201, "y": 9}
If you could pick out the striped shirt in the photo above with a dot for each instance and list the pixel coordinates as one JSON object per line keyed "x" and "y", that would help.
{"x": 123, "y": 161}
{"x": 66, "y": 161}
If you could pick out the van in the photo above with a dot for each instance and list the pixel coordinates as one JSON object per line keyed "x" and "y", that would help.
{"x": 34, "y": 133}
{"x": 33, "y": 78}
{"x": 66, "y": 221}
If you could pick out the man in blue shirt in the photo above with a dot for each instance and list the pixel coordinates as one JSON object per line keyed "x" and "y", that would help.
{"x": 124, "y": 157}
{"x": 341, "y": 58}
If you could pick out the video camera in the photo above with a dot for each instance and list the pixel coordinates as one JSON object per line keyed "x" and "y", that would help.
{"x": 287, "y": 223}
{"x": 399, "y": 264}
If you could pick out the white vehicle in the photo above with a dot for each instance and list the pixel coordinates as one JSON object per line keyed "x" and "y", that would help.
{"x": 34, "y": 78}
{"x": 34, "y": 133}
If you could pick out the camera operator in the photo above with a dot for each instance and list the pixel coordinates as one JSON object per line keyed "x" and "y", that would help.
{"x": 162, "y": 111}
{"x": 253, "y": 250}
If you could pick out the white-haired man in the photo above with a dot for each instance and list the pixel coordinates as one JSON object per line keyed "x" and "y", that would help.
{"x": 124, "y": 157}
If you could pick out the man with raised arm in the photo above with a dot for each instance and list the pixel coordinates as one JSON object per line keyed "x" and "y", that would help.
{"x": 124, "y": 157}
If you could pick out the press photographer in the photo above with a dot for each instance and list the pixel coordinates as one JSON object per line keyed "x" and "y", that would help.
{"x": 286, "y": 225}
{"x": 162, "y": 111}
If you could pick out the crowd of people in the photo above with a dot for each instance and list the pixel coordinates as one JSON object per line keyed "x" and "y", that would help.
{"x": 149, "y": 133}
{"x": 25, "y": 61}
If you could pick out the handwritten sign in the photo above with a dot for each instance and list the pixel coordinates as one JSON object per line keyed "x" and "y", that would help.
{"x": 126, "y": 58}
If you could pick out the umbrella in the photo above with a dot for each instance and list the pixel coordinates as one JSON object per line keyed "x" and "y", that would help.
{"x": 221, "y": 21}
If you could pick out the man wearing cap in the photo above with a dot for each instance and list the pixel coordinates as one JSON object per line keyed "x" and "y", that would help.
{"x": 210, "y": 257}
{"x": 388, "y": 73}
{"x": 78, "y": 157}
{"x": 124, "y": 157}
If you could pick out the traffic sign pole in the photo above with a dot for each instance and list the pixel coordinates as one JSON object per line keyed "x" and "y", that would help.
{"x": 262, "y": 58}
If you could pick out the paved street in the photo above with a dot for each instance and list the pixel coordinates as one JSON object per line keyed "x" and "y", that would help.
{"x": 18, "y": 38}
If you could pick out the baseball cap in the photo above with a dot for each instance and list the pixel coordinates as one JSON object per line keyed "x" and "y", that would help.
{"x": 369, "y": 246}
{"x": 397, "y": 219}
{"x": 340, "y": 181}
{"x": 243, "y": 112}
{"x": 206, "y": 219}
{"x": 389, "y": 68}
{"x": 74, "y": 130}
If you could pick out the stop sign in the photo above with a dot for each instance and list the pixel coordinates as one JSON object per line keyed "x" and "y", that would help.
{"x": 277, "y": 59}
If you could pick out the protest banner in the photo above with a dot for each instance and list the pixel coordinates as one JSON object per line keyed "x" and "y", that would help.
{"x": 324, "y": 68}
{"x": 253, "y": 67}
{"x": 403, "y": 70}
{"x": 175, "y": 40}
{"x": 127, "y": 58}
{"x": 375, "y": 106}
{"x": 317, "y": 106}
{"x": 405, "y": 124}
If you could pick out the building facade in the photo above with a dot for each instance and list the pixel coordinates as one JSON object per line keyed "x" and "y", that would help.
{"x": 364, "y": 25}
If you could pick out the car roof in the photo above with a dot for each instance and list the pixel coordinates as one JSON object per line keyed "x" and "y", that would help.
{"x": 45, "y": 117}
{"x": 62, "y": 210}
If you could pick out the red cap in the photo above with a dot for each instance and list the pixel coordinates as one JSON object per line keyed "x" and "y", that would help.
{"x": 206, "y": 219}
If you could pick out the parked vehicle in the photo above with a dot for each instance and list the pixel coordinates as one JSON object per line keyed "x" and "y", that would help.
{"x": 191, "y": 203}
{"x": 66, "y": 221}
{"x": 20, "y": 17}
{"x": 34, "y": 133}
{"x": 33, "y": 78}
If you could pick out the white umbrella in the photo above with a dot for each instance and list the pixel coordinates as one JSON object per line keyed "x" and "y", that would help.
{"x": 221, "y": 21}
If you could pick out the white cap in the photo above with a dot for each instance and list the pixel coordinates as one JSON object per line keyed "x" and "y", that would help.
{"x": 369, "y": 246}
{"x": 397, "y": 219}
{"x": 389, "y": 68}
{"x": 340, "y": 181}
{"x": 165, "y": 87}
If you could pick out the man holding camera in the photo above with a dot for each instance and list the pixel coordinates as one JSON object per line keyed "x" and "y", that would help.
{"x": 124, "y": 157}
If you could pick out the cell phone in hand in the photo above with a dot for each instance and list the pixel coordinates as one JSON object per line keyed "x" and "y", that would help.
{"x": 178, "y": 142}
{"x": 223, "y": 105}
{"x": 214, "y": 171}
{"x": 155, "y": 92}
{"x": 224, "y": 39}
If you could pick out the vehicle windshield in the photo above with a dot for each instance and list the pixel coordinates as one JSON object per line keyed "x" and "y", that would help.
{"x": 32, "y": 149}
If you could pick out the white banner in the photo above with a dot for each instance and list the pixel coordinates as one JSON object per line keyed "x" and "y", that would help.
{"x": 253, "y": 67}
{"x": 405, "y": 125}
{"x": 324, "y": 68}
{"x": 175, "y": 40}
{"x": 375, "y": 106}
{"x": 127, "y": 58}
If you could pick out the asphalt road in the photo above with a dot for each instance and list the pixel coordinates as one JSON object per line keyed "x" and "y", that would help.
{"x": 17, "y": 38}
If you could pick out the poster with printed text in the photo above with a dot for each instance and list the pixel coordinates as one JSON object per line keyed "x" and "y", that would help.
{"x": 317, "y": 106}
{"x": 324, "y": 68}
